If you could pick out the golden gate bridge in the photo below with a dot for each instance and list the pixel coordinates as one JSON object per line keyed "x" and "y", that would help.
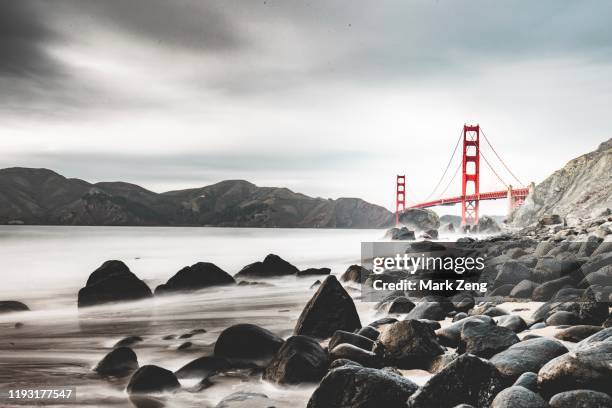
{"x": 470, "y": 181}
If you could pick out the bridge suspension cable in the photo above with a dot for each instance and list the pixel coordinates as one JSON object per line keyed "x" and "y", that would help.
{"x": 451, "y": 180}
{"x": 446, "y": 169}
{"x": 500, "y": 159}
{"x": 492, "y": 169}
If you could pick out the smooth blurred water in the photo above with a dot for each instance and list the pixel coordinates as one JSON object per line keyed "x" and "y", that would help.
{"x": 45, "y": 266}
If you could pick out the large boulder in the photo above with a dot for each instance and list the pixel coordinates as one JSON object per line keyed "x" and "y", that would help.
{"x": 341, "y": 336}
{"x": 524, "y": 289}
{"x": 518, "y": 397}
{"x": 468, "y": 379}
{"x": 577, "y": 333}
{"x": 248, "y": 343}
{"x": 9, "y": 306}
{"x": 207, "y": 366}
{"x": 485, "y": 340}
{"x": 400, "y": 305}
{"x": 151, "y": 379}
{"x": 592, "y": 311}
{"x": 272, "y": 265}
{"x": 410, "y": 344}
{"x": 314, "y": 272}
{"x": 526, "y": 356}
{"x": 300, "y": 359}
{"x": 528, "y": 380}
{"x": 451, "y": 335}
{"x": 602, "y": 335}
{"x": 118, "y": 363}
{"x": 331, "y": 308}
{"x": 400, "y": 234}
{"x": 346, "y": 351}
{"x": 197, "y": 276}
{"x": 587, "y": 367}
{"x": 513, "y": 322}
{"x": 360, "y": 387}
{"x": 112, "y": 282}
{"x": 562, "y": 318}
{"x": 581, "y": 399}
{"x": 547, "y": 290}
{"x": 420, "y": 219}
{"x": 512, "y": 272}
{"x": 431, "y": 310}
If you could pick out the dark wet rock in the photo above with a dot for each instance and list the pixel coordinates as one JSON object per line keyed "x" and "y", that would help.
{"x": 439, "y": 362}
{"x": 186, "y": 336}
{"x": 581, "y": 399}
{"x": 518, "y": 397}
{"x": 577, "y": 333}
{"x": 487, "y": 225}
{"x": 531, "y": 336}
{"x": 410, "y": 344}
{"x": 152, "y": 379}
{"x": 361, "y": 387}
{"x": 561, "y": 302}
{"x": 528, "y": 380}
{"x": 383, "y": 321}
{"x": 355, "y": 273}
{"x": 487, "y": 309}
{"x": 524, "y": 289}
{"x": 514, "y": 253}
{"x": 18, "y": 325}
{"x": 434, "y": 325}
{"x": 185, "y": 345}
{"x": 369, "y": 332}
{"x": 512, "y": 272}
{"x": 526, "y": 356}
{"x": 459, "y": 316}
{"x": 502, "y": 290}
{"x": 485, "y": 340}
{"x": 350, "y": 352}
{"x": 549, "y": 268}
{"x": 9, "y": 306}
{"x": 591, "y": 311}
{"x": 468, "y": 379}
{"x": 169, "y": 337}
{"x": 118, "y": 363}
{"x": 463, "y": 302}
{"x": 207, "y": 366}
{"x": 587, "y": 367}
{"x": 400, "y": 305}
{"x": 608, "y": 322}
{"x": 547, "y": 290}
{"x": 128, "y": 341}
{"x": 357, "y": 340}
{"x": 272, "y": 265}
{"x": 197, "y": 276}
{"x": 301, "y": 359}
{"x": 420, "y": 219}
{"x": 451, "y": 335}
{"x": 314, "y": 271}
{"x": 242, "y": 399}
{"x": 513, "y": 322}
{"x": 112, "y": 282}
{"x": 602, "y": 335}
{"x": 401, "y": 234}
{"x": 539, "y": 325}
{"x": 330, "y": 309}
{"x": 248, "y": 342}
{"x": 562, "y": 318}
{"x": 428, "y": 310}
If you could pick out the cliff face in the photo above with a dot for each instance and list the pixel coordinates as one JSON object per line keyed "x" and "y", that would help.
{"x": 582, "y": 188}
{"x": 41, "y": 196}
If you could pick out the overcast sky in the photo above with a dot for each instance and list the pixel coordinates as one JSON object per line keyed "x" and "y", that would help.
{"x": 325, "y": 97}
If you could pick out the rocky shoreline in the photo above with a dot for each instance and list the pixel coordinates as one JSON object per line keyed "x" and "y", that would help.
{"x": 476, "y": 353}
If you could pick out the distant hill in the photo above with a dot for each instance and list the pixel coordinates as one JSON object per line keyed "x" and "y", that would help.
{"x": 582, "y": 188}
{"x": 41, "y": 196}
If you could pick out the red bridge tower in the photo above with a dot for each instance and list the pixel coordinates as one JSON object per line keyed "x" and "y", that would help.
{"x": 470, "y": 175}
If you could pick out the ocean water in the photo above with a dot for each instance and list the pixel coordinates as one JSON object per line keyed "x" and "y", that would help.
{"x": 44, "y": 267}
